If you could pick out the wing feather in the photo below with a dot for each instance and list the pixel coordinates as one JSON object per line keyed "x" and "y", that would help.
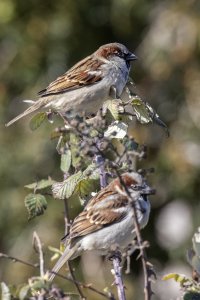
{"x": 102, "y": 210}
{"x": 84, "y": 73}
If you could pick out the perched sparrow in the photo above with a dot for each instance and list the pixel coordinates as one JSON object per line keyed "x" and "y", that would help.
{"x": 107, "y": 220}
{"x": 98, "y": 77}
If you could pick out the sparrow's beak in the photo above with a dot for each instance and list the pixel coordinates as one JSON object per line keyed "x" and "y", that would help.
{"x": 131, "y": 56}
{"x": 144, "y": 189}
{"x": 147, "y": 190}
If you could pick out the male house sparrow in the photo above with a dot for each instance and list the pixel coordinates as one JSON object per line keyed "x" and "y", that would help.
{"x": 107, "y": 220}
{"x": 83, "y": 88}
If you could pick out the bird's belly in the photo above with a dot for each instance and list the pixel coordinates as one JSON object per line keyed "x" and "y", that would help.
{"x": 87, "y": 99}
{"x": 119, "y": 234}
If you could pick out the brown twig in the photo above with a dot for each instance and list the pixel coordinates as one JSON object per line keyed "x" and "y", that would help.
{"x": 39, "y": 250}
{"x": 82, "y": 285}
{"x": 116, "y": 258}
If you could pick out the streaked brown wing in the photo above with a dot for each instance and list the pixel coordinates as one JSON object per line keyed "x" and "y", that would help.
{"x": 99, "y": 213}
{"x": 84, "y": 73}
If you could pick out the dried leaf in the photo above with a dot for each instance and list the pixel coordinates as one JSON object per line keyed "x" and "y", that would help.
{"x": 37, "y": 120}
{"x": 35, "y": 204}
{"x": 117, "y": 130}
{"x": 141, "y": 111}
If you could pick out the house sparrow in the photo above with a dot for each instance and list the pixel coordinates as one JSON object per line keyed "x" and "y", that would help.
{"x": 107, "y": 220}
{"x": 99, "y": 77}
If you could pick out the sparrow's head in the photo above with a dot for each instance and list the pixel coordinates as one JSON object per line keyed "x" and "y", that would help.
{"x": 116, "y": 50}
{"x": 133, "y": 182}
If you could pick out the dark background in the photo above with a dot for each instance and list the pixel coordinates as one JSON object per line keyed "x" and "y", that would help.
{"x": 40, "y": 40}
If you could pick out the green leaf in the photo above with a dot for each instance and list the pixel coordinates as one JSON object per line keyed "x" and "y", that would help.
{"x": 80, "y": 183}
{"x": 35, "y": 204}
{"x": 66, "y": 161}
{"x": 5, "y": 292}
{"x": 65, "y": 189}
{"x": 37, "y": 120}
{"x": 85, "y": 187}
{"x": 89, "y": 181}
{"x": 42, "y": 184}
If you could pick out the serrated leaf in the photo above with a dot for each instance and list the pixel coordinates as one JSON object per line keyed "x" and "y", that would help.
{"x": 66, "y": 161}
{"x": 42, "y": 184}
{"x": 35, "y": 204}
{"x": 65, "y": 189}
{"x": 117, "y": 130}
{"x": 24, "y": 292}
{"x": 5, "y": 292}
{"x": 37, "y": 120}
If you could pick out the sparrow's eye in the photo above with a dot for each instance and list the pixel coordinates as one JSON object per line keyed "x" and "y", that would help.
{"x": 120, "y": 53}
{"x": 135, "y": 187}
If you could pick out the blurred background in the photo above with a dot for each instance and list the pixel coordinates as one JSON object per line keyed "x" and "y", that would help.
{"x": 40, "y": 40}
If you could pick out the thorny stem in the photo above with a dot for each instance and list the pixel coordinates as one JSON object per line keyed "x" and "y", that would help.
{"x": 100, "y": 159}
{"x": 146, "y": 268}
{"x": 82, "y": 285}
{"x": 69, "y": 263}
{"x": 118, "y": 276}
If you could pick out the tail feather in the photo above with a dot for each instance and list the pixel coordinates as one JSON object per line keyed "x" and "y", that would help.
{"x": 68, "y": 253}
{"x": 35, "y": 106}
